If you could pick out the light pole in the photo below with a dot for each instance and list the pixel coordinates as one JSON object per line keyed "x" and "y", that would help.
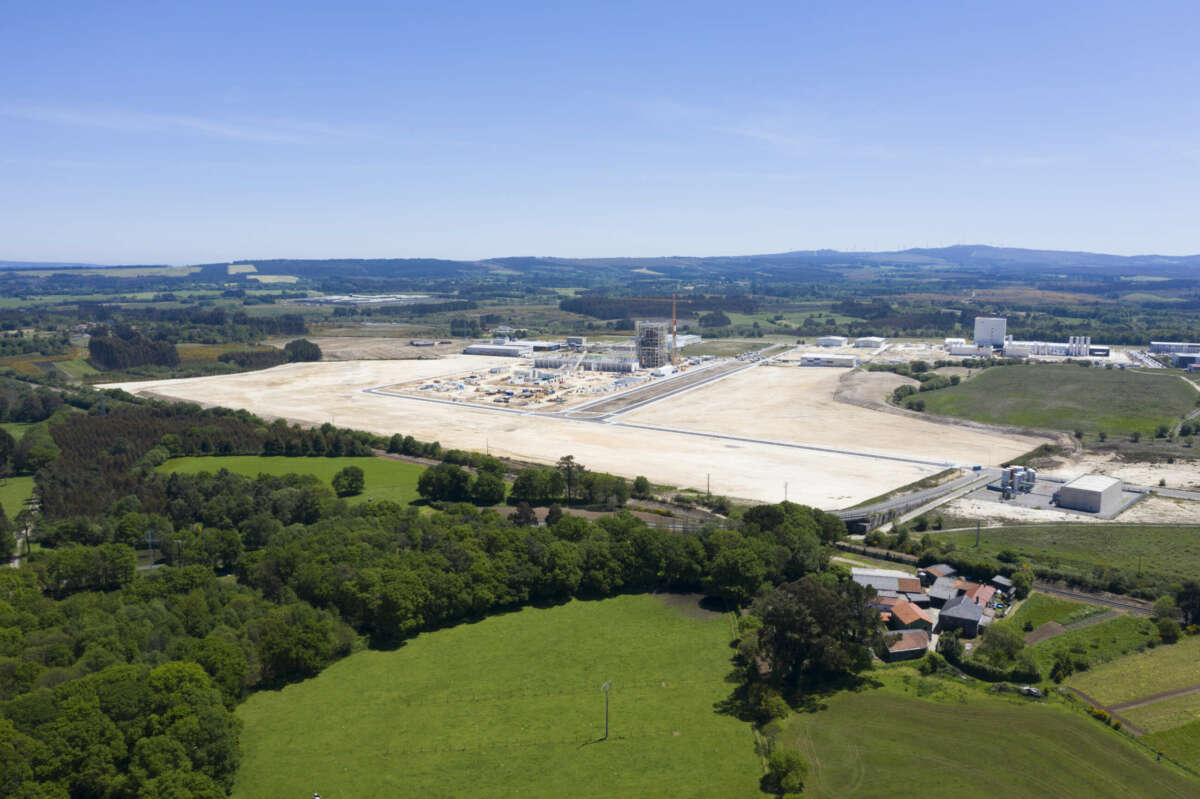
{"x": 606, "y": 688}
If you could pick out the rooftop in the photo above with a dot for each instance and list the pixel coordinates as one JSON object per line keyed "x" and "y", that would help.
{"x": 961, "y": 607}
{"x": 908, "y": 613}
{"x": 1093, "y": 482}
{"x": 910, "y": 640}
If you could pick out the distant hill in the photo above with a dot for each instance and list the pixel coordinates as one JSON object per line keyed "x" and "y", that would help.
{"x": 797, "y": 264}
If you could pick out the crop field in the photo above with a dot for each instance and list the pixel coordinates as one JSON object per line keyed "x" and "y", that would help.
{"x": 1155, "y": 671}
{"x": 1038, "y": 609}
{"x": 13, "y": 493}
{"x": 913, "y": 733}
{"x": 1065, "y": 397}
{"x": 384, "y": 479}
{"x": 511, "y": 706}
{"x": 1098, "y": 643}
{"x": 1166, "y": 550}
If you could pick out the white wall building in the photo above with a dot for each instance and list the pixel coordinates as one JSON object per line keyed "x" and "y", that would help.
{"x": 832, "y": 341}
{"x": 870, "y": 342}
{"x": 1174, "y": 346}
{"x": 828, "y": 359}
{"x": 990, "y": 331}
{"x": 1094, "y": 493}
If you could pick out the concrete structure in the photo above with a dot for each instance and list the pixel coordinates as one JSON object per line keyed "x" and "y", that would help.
{"x": 653, "y": 344}
{"x": 577, "y": 342}
{"x": 990, "y": 331}
{"x": 1174, "y": 346}
{"x": 832, "y": 341}
{"x": 970, "y": 350}
{"x": 1182, "y": 360}
{"x": 1099, "y": 352}
{"x": 823, "y": 359}
{"x": 421, "y": 342}
{"x": 955, "y": 342}
{"x": 686, "y": 340}
{"x": 870, "y": 342}
{"x": 1094, "y": 493}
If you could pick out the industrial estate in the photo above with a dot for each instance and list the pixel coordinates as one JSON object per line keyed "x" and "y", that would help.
{"x": 531, "y": 531}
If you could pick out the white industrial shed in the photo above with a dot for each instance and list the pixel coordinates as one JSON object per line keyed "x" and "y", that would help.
{"x": 870, "y": 341}
{"x": 831, "y": 341}
{"x": 1094, "y": 493}
{"x": 827, "y": 359}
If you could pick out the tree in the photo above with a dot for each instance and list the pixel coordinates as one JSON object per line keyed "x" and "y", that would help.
{"x": 523, "y": 515}
{"x": 1168, "y": 630}
{"x": 539, "y": 485}
{"x": 641, "y": 488}
{"x": 815, "y": 628}
{"x": 554, "y": 515}
{"x": 1022, "y": 582}
{"x": 572, "y": 474}
{"x": 1188, "y": 600}
{"x": 488, "y": 489}
{"x": 349, "y": 481}
{"x": 786, "y": 770}
{"x": 714, "y": 319}
{"x": 1001, "y": 644}
{"x": 1164, "y": 607}
{"x": 445, "y": 483}
{"x": 302, "y": 350}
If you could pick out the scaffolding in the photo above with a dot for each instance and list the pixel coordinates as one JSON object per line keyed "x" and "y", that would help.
{"x": 653, "y": 348}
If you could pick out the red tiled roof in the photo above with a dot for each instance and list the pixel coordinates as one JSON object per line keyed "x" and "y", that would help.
{"x": 981, "y": 594}
{"x": 907, "y": 584}
{"x": 912, "y": 639}
{"x": 908, "y": 613}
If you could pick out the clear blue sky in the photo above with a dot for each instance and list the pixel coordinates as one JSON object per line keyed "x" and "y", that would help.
{"x": 191, "y": 132}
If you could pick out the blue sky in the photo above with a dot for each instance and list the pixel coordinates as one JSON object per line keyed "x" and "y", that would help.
{"x": 181, "y": 133}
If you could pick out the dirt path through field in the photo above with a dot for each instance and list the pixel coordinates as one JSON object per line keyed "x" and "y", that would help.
{"x": 1126, "y": 723}
{"x": 1052, "y": 629}
{"x": 1150, "y": 700}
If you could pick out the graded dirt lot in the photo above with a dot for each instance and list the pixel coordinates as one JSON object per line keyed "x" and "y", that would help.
{"x": 778, "y": 404}
{"x": 794, "y": 403}
{"x": 356, "y": 348}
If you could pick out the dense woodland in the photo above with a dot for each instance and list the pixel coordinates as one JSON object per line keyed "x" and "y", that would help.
{"x": 118, "y": 682}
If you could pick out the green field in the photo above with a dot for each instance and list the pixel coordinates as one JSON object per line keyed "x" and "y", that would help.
{"x": 1181, "y": 743}
{"x": 511, "y": 706}
{"x": 385, "y": 479}
{"x": 924, "y": 736}
{"x": 16, "y": 429}
{"x": 1164, "y": 715}
{"x": 1067, "y": 398}
{"x": 1166, "y": 550}
{"x": 1098, "y": 643}
{"x": 1164, "y": 668}
{"x": 13, "y": 493}
{"x": 1038, "y": 609}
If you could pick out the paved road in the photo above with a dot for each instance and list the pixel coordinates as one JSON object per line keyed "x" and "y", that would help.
{"x": 969, "y": 481}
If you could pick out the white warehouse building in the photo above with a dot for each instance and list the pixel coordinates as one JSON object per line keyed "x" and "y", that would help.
{"x": 1094, "y": 493}
{"x": 832, "y": 341}
{"x": 828, "y": 359}
{"x": 990, "y": 331}
{"x": 870, "y": 341}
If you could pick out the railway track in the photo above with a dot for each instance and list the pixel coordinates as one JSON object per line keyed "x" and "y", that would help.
{"x": 1107, "y": 600}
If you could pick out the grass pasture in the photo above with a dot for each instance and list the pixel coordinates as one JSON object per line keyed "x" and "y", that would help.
{"x": 1065, "y": 397}
{"x": 511, "y": 706}
{"x": 1155, "y": 671}
{"x": 1099, "y": 643}
{"x": 1181, "y": 743}
{"x": 13, "y": 493}
{"x": 384, "y": 479}
{"x": 1158, "y": 549}
{"x": 910, "y": 734}
{"x": 1038, "y": 609}
{"x": 1167, "y": 714}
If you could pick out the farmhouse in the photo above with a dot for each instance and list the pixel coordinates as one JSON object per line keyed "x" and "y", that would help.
{"x": 930, "y": 574}
{"x": 908, "y": 645}
{"x": 907, "y": 616}
{"x": 961, "y": 613}
{"x": 942, "y": 591}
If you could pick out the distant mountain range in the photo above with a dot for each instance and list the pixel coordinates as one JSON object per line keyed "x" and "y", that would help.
{"x": 970, "y": 257}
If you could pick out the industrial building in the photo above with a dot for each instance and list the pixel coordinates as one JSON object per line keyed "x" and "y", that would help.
{"x": 828, "y": 359}
{"x": 594, "y": 363}
{"x": 1093, "y": 493}
{"x": 1184, "y": 360}
{"x": 832, "y": 341}
{"x": 1076, "y": 347}
{"x": 653, "y": 344}
{"x": 504, "y": 349}
{"x": 1174, "y": 346}
{"x": 576, "y": 342}
{"x": 871, "y": 342}
{"x": 682, "y": 340}
{"x": 990, "y": 331}
{"x": 955, "y": 342}
{"x": 969, "y": 350}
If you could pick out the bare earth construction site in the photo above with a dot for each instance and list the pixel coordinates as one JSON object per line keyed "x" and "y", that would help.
{"x": 753, "y": 428}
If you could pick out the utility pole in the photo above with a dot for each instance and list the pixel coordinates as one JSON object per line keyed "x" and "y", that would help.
{"x": 785, "y": 487}
{"x": 977, "y": 533}
{"x": 708, "y": 484}
{"x": 606, "y": 688}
